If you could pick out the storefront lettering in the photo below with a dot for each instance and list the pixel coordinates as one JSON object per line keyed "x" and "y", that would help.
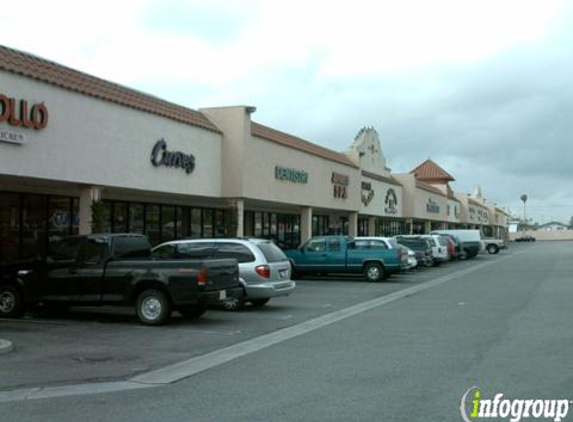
{"x": 12, "y": 137}
{"x": 391, "y": 202}
{"x": 432, "y": 207}
{"x": 160, "y": 156}
{"x": 340, "y": 181}
{"x": 19, "y": 115}
{"x": 291, "y": 175}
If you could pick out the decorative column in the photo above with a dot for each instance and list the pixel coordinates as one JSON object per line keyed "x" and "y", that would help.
{"x": 240, "y": 216}
{"x": 353, "y": 224}
{"x": 305, "y": 224}
{"x": 88, "y": 196}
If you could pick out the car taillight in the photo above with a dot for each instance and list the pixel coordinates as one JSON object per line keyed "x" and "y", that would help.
{"x": 202, "y": 277}
{"x": 264, "y": 271}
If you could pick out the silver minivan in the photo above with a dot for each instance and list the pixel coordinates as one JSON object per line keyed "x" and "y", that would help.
{"x": 264, "y": 269}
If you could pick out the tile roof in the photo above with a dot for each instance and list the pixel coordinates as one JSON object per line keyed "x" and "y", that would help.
{"x": 429, "y": 170}
{"x": 291, "y": 141}
{"x": 64, "y": 77}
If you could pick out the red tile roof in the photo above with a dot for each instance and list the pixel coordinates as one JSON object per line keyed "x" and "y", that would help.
{"x": 64, "y": 77}
{"x": 430, "y": 171}
{"x": 291, "y": 141}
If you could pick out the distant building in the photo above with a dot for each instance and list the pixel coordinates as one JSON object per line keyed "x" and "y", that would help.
{"x": 553, "y": 226}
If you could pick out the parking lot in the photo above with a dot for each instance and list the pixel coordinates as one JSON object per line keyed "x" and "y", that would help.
{"x": 98, "y": 344}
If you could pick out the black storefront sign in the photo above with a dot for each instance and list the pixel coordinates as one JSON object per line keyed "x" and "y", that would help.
{"x": 161, "y": 156}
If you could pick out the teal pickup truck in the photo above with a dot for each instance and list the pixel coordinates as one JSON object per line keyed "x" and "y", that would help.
{"x": 344, "y": 254}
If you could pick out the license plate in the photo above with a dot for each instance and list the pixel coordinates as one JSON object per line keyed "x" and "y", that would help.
{"x": 222, "y": 295}
{"x": 283, "y": 273}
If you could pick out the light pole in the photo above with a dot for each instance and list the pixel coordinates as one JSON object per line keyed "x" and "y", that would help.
{"x": 524, "y": 199}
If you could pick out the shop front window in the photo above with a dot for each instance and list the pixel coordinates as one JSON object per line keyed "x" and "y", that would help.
{"x": 60, "y": 218}
{"x": 119, "y": 218}
{"x": 208, "y": 216}
{"x": 137, "y": 218}
{"x": 152, "y": 224}
{"x": 168, "y": 228}
{"x": 196, "y": 224}
{"x": 9, "y": 227}
{"x": 34, "y": 219}
{"x": 220, "y": 229}
{"x": 258, "y": 224}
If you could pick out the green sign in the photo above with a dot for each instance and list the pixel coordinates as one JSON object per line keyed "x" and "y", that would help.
{"x": 292, "y": 175}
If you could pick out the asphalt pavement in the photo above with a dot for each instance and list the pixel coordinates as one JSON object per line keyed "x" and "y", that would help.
{"x": 501, "y": 323}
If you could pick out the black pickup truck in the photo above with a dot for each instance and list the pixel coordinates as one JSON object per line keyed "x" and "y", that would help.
{"x": 117, "y": 269}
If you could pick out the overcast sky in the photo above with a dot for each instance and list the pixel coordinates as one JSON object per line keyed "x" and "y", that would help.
{"x": 485, "y": 88}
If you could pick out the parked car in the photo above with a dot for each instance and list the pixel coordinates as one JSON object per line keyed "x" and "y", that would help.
{"x": 409, "y": 261}
{"x": 470, "y": 241}
{"x": 264, "y": 269}
{"x": 525, "y": 238}
{"x": 117, "y": 269}
{"x": 421, "y": 248}
{"x": 439, "y": 247}
{"x": 344, "y": 254}
{"x": 492, "y": 245}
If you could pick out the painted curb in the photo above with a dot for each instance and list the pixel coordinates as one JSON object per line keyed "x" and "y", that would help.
{"x": 5, "y": 346}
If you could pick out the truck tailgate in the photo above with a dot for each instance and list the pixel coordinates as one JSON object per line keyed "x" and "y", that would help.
{"x": 221, "y": 274}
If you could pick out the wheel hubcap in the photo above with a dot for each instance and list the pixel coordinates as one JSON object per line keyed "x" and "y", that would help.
{"x": 373, "y": 273}
{"x": 151, "y": 308}
{"x": 7, "y": 302}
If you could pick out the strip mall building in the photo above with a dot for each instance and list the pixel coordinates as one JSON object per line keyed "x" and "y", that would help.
{"x": 74, "y": 148}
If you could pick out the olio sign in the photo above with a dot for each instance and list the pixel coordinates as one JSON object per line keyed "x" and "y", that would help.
{"x": 18, "y": 114}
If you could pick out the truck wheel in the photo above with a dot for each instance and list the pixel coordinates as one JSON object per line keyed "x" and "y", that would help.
{"x": 463, "y": 255}
{"x": 236, "y": 304}
{"x": 192, "y": 312}
{"x": 11, "y": 301}
{"x": 259, "y": 303}
{"x": 492, "y": 249}
{"x": 373, "y": 272}
{"x": 153, "y": 307}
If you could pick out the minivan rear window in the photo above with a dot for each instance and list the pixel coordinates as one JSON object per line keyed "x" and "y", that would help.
{"x": 271, "y": 252}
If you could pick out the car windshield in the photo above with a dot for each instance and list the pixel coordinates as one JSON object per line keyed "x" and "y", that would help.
{"x": 271, "y": 252}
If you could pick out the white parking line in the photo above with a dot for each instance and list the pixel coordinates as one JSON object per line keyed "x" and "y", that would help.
{"x": 185, "y": 369}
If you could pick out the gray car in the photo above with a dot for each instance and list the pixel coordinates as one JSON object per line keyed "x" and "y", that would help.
{"x": 264, "y": 269}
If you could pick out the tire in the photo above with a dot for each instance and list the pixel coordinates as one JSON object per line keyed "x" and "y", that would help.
{"x": 192, "y": 311}
{"x": 11, "y": 301}
{"x": 463, "y": 255}
{"x": 259, "y": 303}
{"x": 236, "y": 304}
{"x": 296, "y": 274}
{"x": 153, "y": 307}
{"x": 374, "y": 272}
{"x": 492, "y": 249}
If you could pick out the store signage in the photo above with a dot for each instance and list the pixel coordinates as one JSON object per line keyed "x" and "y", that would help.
{"x": 341, "y": 182}
{"x": 291, "y": 175}
{"x": 12, "y": 137}
{"x": 367, "y": 193}
{"x": 432, "y": 207}
{"x": 391, "y": 202}
{"x": 161, "y": 156}
{"x": 19, "y": 114}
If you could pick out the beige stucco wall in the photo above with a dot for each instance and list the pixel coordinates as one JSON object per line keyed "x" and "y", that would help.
{"x": 454, "y": 205}
{"x": 259, "y": 182}
{"x": 96, "y": 142}
{"x": 416, "y": 199}
{"x": 379, "y": 205}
